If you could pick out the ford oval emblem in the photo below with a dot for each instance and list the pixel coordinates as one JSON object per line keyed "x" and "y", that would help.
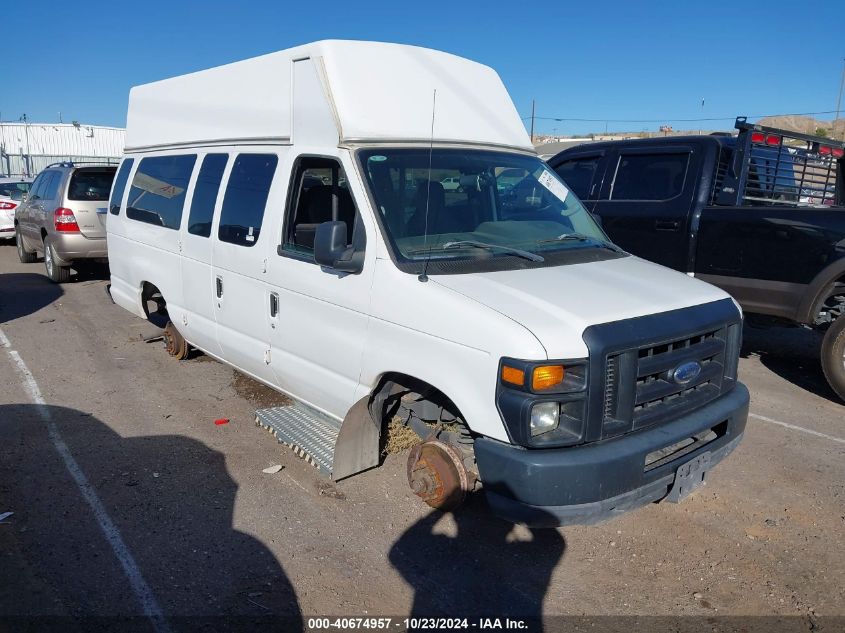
{"x": 687, "y": 372}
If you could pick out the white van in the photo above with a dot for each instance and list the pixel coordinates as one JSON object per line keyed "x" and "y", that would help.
{"x": 286, "y": 215}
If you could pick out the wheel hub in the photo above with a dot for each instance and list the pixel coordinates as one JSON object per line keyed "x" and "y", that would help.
{"x": 171, "y": 340}
{"x": 437, "y": 475}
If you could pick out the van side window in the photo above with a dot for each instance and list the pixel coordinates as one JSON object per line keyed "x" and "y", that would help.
{"x": 205, "y": 194}
{"x": 578, "y": 174}
{"x": 157, "y": 195}
{"x": 120, "y": 185}
{"x": 246, "y": 197}
{"x": 319, "y": 193}
{"x": 649, "y": 176}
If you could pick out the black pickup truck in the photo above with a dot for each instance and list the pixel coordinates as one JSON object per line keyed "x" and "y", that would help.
{"x": 759, "y": 214}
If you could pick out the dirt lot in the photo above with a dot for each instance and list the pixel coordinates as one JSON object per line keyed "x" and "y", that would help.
{"x": 129, "y": 501}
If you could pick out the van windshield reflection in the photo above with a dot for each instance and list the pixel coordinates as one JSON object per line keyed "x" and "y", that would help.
{"x": 475, "y": 203}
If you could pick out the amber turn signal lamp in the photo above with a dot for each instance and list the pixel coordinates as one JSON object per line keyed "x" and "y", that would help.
{"x": 513, "y": 375}
{"x": 546, "y": 376}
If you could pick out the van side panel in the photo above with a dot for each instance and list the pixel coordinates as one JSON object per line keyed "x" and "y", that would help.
{"x": 241, "y": 294}
{"x": 197, "y": 276}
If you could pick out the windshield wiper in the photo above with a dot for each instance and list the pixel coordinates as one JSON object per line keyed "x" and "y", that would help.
{"x": 534, "y": 257}
{"x": 580, "y": 237}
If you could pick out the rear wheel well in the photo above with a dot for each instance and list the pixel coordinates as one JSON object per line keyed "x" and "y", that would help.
{"x": 832, "y": 305}
{"x": 154, "y": 304}
{"x": 43, "y": 234}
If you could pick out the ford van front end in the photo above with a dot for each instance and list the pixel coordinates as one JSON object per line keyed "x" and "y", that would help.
{"x": 653, "y": 408}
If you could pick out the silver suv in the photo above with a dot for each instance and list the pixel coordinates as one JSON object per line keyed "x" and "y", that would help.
{"x": 64, "y": 217}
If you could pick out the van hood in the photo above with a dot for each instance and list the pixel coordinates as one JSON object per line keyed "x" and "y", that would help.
{"x": 558, "y": 303}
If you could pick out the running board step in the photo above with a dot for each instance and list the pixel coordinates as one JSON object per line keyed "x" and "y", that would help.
{"x": 312, "y": 435}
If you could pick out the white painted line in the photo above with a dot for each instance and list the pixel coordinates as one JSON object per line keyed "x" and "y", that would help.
{"x": 796, "y": 428}
{"x": 143, "y": 592}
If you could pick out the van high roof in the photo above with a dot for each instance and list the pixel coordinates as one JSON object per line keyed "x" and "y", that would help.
{"x": 329, "y": 92}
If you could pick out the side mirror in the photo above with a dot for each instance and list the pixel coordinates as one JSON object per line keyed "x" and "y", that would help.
{"x": 330, "y": 248}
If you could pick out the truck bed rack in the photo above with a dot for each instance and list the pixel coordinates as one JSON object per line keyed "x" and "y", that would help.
{"x": 774, "y": 166}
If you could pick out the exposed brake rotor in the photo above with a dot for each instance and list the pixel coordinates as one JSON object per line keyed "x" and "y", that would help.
{"x": 174, "y": 342}
{"x": 437, "y": 475}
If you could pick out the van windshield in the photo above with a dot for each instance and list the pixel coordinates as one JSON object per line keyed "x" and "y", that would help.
{"x": 475, "y": 204}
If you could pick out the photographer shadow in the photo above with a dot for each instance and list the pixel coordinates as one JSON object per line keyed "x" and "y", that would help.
{"x": 171, "y": 499}
{"x": 488, "y": 568}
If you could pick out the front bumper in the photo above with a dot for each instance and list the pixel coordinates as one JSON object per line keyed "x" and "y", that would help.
{"x": 597, "y": 481}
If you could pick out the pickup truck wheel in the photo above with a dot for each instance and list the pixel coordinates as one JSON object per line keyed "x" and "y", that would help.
{"x": 833, "y": 356}
{"x": 175, "y": 343}
{"x": 26, "y": 257}
{"x": 57, "y": 274}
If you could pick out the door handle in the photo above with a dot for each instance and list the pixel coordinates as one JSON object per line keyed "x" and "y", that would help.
{"x": 274, "y": 304}
{"x": 667, "y": 225}
{"x": 219, "y": 287}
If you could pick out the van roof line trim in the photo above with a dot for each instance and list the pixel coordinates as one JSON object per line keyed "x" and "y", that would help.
{"x": 268, "y": 140}
{"x": 437, "y": 142}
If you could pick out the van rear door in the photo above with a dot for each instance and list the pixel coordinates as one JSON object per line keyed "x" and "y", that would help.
{"x": 88, "y": 197}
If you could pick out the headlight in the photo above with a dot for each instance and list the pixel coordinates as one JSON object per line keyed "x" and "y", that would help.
{"x": 544, "y": 417}
{"x": 543, "y": 403}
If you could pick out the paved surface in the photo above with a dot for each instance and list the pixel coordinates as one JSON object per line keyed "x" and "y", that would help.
{"x": 128, "y": 500}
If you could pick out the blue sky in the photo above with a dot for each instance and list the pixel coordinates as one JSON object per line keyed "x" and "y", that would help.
{"x": 593, "y": 60}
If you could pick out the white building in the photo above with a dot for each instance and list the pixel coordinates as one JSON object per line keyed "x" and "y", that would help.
{"x": 27, "y": 148}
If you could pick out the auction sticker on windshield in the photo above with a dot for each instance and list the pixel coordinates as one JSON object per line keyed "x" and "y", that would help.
{"x": 553, "y": 184}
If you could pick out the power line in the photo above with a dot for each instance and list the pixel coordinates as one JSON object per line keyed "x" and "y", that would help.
{"x": 665, "y": 120}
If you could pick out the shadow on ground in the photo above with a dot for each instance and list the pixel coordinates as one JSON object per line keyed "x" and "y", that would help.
{"x": 481, "y": 567}
{"x": 22, "y": 294}
{"x": 171, "y": 499}
{"x": 792, "y": 354}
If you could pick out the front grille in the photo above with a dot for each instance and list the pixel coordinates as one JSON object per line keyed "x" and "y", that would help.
{"x": 641, "y": 388}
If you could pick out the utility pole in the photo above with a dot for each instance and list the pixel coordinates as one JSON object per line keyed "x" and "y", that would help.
{"x": 839, "y": 100}
{"x": 702, "y": 116}
{"x": 28, "y": 155}
{"x": 532, "y": 121}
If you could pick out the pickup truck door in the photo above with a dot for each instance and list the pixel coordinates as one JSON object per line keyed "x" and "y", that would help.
{"x": 766, "y": 256}
{"x": 646, "y": 198}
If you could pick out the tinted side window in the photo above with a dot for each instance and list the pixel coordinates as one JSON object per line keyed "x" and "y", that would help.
{"x": 245, "y": 199}
{"x": 205, "y": 194}
{"x": 51, "y": 185}
{"x": 120, "y": 186}
{"x": 158, "y": 189}
{"x": 649, "y": 176}
{"x": 578, "y": 174}
{"x": 92, "y": 185}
